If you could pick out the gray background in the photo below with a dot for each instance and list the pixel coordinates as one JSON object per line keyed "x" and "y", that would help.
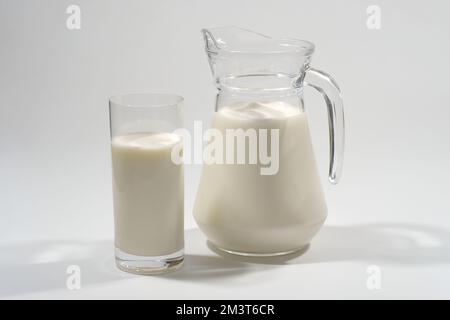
{"x": 392, "y": 205}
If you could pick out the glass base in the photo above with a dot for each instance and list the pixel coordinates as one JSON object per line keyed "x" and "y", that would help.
{"x": 296, "y": 251}
{"x": 149, "y": 265}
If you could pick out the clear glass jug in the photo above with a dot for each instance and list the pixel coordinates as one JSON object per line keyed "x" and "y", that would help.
{"x": 260, "y": 81}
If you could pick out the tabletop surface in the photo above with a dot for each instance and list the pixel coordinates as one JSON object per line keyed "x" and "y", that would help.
{"x": 371, "y": 262}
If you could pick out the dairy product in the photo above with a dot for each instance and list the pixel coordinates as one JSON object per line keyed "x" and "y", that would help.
{"x": 241, "y": 210}
{"x": 148, "y": 194}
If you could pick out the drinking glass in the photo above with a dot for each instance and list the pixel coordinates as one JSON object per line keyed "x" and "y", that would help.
{"x": 148, "y": 191}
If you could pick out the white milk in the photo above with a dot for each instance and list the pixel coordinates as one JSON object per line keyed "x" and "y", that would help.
{"x": 148, "y": 194}
{"x": 241, "y": 210}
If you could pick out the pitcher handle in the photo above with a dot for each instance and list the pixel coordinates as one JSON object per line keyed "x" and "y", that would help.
{"x": 329, "y": 89}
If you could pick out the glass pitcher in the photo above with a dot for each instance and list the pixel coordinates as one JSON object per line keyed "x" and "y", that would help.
{"x": 252, "y": 206}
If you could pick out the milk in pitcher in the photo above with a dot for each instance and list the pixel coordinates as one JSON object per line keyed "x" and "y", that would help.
{"x": 243, "y": 211}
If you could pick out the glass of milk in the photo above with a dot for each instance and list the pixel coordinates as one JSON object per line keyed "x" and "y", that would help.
{"x": 148, "y": 188}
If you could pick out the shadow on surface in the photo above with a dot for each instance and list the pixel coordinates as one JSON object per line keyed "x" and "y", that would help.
{"x": 384, "y": 243}
{"x": 41, "y": 266}
{"x": 204, "y": 268}
{"x": 408, "y": 245}
{"x": 202, "y": 265}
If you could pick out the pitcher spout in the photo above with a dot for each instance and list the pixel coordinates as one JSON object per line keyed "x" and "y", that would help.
{"x": 236, "y": 54}
{"x": 210, "y": 42}
{"x": 232, "y": 39}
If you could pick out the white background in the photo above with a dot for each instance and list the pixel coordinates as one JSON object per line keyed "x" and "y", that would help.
{"x": 391, "y": 208}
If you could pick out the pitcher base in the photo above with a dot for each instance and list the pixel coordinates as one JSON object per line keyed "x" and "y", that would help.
{"x": 296, "y": 251}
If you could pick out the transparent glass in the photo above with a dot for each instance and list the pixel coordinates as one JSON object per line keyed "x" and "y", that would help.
{"x": 246, "y": 64}
{"x": 148, "y": 191}
{"x": 265, "y": 76}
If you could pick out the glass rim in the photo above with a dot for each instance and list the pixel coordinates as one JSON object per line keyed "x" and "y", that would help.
{"x": 149, "y": 100}
{"x": 276, "y": 45}
{"x": 302, "y": 47}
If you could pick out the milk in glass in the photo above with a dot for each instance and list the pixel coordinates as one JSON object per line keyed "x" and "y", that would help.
{"x": 148, "y": 194}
